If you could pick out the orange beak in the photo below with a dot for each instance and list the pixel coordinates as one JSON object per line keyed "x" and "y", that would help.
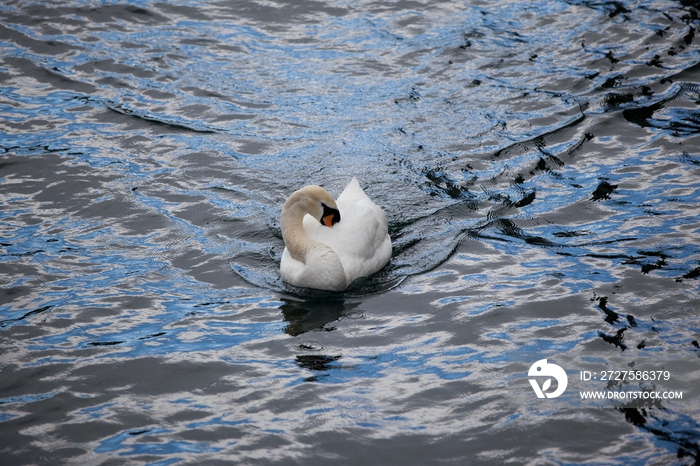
{"x": 328, "y": 220}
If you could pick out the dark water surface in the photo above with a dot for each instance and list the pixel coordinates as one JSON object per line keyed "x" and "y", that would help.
{"x": 539, "y": 163}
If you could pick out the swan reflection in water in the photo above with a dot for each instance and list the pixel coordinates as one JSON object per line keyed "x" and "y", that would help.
{"x": 314, "y": 315}
{"x": 309, "y": 315}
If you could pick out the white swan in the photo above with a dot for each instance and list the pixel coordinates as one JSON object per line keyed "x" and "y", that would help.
{"x": 335, "y": 243}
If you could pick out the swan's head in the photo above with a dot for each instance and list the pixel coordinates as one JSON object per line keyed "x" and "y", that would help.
{"x": 317, "y": 202}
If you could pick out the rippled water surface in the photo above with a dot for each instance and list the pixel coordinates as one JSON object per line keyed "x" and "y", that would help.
{"x": 539, "y": 164}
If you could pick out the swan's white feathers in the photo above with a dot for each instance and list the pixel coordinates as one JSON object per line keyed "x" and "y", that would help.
{"x": 360, "y": 242}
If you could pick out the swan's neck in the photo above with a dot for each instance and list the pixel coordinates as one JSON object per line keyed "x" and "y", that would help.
{"x": 296, "y": 240}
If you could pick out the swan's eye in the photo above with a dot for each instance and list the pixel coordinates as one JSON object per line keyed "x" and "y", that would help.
{"x": 330, "y": 216}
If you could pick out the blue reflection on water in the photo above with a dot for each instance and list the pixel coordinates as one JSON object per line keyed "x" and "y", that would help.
{"x": 154, "y": 230}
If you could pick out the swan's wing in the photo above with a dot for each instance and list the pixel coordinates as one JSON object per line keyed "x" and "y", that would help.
{"x": 352, "y": 193}
{"x": 370, "y": 246}
{"x": 360, "y": 239}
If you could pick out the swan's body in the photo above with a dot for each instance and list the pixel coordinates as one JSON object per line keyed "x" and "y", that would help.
{"x": 329, "y": 244}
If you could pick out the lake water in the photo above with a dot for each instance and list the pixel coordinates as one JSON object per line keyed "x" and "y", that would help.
{"x": 539, "y": 164}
